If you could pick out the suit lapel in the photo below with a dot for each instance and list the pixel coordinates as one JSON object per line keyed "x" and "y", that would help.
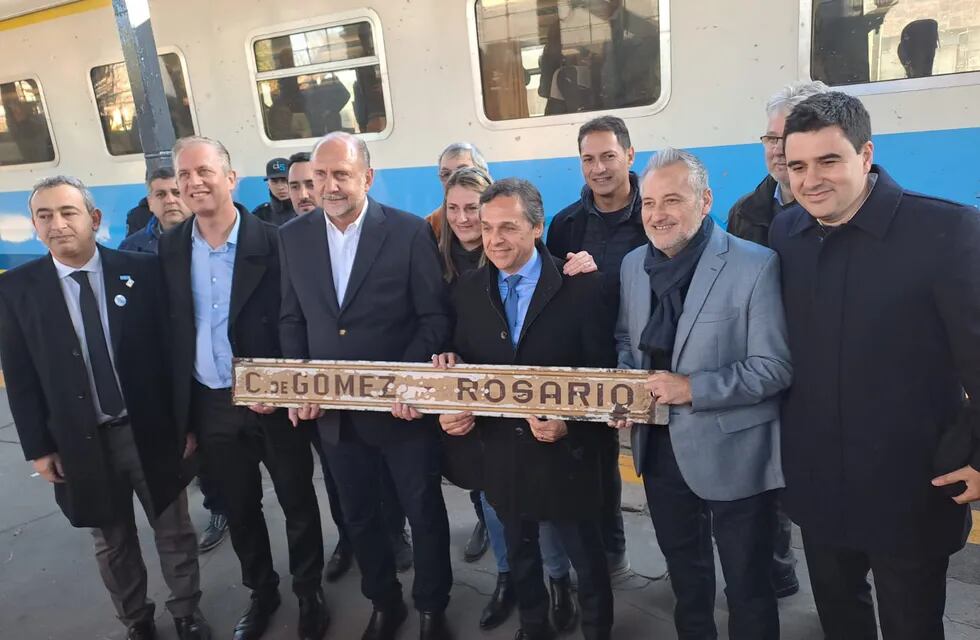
{"x": 316, "y": 249}
{"x": 177, "y": 259}
{"x": 373, "y": 233}
{"x": 53, "y": 308}
{"x": 549, "y": 282}
{"x": 112, "y": 270}
{"x": 250, "y": 263}
{"x": 705, "y": 274}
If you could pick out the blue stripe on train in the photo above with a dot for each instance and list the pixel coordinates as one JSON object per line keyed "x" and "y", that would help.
{"x": 942, "y": 163}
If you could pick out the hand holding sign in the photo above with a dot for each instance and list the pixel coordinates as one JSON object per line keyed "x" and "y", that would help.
{"x": 548, "y": 430}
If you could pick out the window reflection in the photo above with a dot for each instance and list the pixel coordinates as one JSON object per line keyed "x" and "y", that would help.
{"x": 24, "y": 134}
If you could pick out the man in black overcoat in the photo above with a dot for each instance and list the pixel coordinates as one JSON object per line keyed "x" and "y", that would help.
{"x": 221, "y": 271}
{"x": 880, "y": 452}
{"x": 520, "y": 309}
{"x": 82, "y": 339}
{"x": 363, "y": 281}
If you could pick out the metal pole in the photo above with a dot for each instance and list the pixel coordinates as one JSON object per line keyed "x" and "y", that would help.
{"x": 155, "y": 127}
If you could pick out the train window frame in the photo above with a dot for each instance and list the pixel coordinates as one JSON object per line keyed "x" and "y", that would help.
{"x": 335, "y": 19}
{"x": 663, "y": 7}
{"x": 899, "y": 85}
{"x": 107, "y": 60}
{"x": 9, "y": 78}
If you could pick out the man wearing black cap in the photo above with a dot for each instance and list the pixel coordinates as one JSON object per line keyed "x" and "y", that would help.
{"x": 279, "y": 209}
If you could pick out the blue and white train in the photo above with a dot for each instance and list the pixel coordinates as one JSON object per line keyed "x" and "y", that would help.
{"x": 514, "y": 77}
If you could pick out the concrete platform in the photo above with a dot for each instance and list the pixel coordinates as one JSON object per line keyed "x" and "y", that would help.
{"x": 50, "y": 589}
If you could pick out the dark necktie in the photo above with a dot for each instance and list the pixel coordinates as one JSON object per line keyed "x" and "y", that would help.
{"x": 110, "y": 398}
{"x": 510, "y": 306}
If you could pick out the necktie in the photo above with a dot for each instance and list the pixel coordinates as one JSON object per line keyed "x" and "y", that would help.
{"x": 510, "y": 306}
{"x": 110, "y": 398}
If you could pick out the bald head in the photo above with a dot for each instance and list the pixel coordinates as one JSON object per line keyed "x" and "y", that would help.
{"x": 356, "y": 147}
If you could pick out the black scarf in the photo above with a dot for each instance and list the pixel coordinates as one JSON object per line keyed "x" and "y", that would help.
{"x": 669, "y": 279}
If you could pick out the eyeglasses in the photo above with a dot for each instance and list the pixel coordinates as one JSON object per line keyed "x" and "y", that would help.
{"x": 771, "y": 141}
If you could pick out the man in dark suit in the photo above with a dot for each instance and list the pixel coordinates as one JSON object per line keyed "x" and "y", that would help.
{"x": 520, "y": 309}
{"x": 881, "y": 295}
{"x": 88, "y": 382}
{"x": 362, "y": 281}
{"x": 221, "y": 270}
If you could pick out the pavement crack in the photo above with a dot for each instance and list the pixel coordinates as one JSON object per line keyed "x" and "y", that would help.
{"x": 29, "y": 522}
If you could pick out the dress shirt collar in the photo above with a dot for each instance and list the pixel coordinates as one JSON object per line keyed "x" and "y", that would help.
{"x": 530, "y": 272}
{"x": 232, "y": 237}
{"x": 94, "y": 265}
{"x": 353, "y": 227}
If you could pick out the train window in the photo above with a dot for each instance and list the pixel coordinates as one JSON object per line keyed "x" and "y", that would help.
{"x": 565, "y": 56}
{"x": 320, "y": 80}
{"x": 117, "y": 111}
{"x": 24, "y": 134}
{"x": 867, "y": 41}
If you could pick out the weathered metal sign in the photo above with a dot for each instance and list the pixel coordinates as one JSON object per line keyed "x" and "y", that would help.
{"x": 488, "y": 390}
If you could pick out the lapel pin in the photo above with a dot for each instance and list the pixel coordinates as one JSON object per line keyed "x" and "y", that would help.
{"x": 127, "y": 280}
{"x": 120, "y": 300}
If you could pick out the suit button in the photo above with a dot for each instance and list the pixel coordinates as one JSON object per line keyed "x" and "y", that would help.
{"x": 89, "y": 436}
{"x": 342, "y": 332}
{"x": 76, "y": 353}
{"x": 519, "y": 430}
{"x": 503, "y": 335}
{"x": 81, "y": 396}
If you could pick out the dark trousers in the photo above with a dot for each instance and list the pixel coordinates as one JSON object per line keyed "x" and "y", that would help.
{"x": 477, "y": 505}
{"x": 582, "y": 540}
{"x": 234, "y": 441}
{"x": 911, "y": 593}
{"x": 611, "y": 516}
{"x": 209, "y": 490}
{"x": 783, "y": 557}
{"x": 415, "y": 466}
{"x": 391, "y": 509}
{"x": 743, "y": 530}
{"x": 117, "y": 545}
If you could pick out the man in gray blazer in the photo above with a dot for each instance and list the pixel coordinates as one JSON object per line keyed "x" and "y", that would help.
{"x": 702, "y": 309}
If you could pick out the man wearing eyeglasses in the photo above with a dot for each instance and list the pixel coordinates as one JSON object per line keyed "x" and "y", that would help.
{"x": 749, "y": 218}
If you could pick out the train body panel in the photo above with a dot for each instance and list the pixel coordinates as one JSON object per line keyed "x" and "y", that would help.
{"x": 722, "y": 60}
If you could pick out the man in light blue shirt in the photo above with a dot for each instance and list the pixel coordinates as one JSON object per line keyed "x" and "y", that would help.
{"x": 211, "y": 278}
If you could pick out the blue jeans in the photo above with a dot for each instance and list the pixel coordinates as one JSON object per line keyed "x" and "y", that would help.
{"x": 553, "y": 555}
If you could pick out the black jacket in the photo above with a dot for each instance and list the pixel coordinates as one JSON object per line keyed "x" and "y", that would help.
{"x": 254, "y": 309}
{"x": 276, "y": 212}
{"x": 884, "y": 328}
{"x": 395, "y": 308}
{"x": 138, "y": 217}
{"x": 48, "y": 385}
{"x": 567, "y": 232}
{"x": 750, "y": 217}
{"x": 522, "y": 476}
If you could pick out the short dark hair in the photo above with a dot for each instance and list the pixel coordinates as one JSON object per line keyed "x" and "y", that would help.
{"x": 831, "y": 109}
{"x": 161, "y": 173}
{"x": 606, "y": 123}
{"x": 521, "y": 189}
{"x": 301, "y": 156}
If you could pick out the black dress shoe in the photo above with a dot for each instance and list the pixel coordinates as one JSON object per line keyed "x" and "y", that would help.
{"x": 384, "y": 623}
{"x": 478, "y": 543}
{"x": 255, "y": 620}
{"x": 432, "y": 626}
{"x": 145, "y": 630}
{"x": 339, "y": 562}
{"x": 192, "y": 628}
{"x": 564, "y": 609}
{"x": 214, "y": 534}
{"x": 313, "y": 616}
{"x": 501, "y": 603}
{"x": 401, "y": 546}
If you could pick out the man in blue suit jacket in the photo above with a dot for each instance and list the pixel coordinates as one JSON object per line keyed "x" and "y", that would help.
{"x": 702, "y": 308}
{"x": 362, "y": 281}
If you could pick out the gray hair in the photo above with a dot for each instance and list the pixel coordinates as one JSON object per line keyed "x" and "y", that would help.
{"x": 459, "y": 148}
{"x": 359, "y": 145}
{"x": 697, "y": 173}
{"x": 58, "y": 181}
{"x": 793, "y": 94}
{"x": 190, "y": 141}
{"x": 524, "y": 191}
